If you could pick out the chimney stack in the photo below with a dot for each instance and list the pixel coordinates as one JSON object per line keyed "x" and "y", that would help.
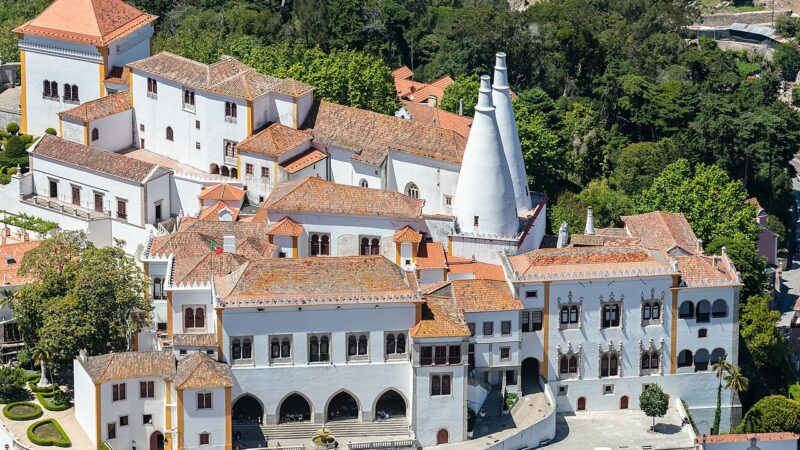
{"x": 563, "y": 235}
{"x": 229, "y": 244}
{"x": 432, "y": 101}
{"x": 509, "y": 134}
{"x": 589, "y": 231}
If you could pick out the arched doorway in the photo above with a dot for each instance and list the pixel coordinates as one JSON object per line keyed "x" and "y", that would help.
{"x": 582, "y": 404}
{"x": 530, "y": 376}
{"x": 247, "y": 409}
{"x": 294, "y": 408}
{"x": 390, "y": 404}
{"x": 224, "y": 171}
{"x": 342, "y": 406}
{"x": 213, "y": 169}
{"x": 623, "y": 402}
{"x": 442, "y": 437}
{"x": 156, "y": 441}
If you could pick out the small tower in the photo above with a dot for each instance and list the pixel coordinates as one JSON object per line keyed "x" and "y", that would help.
{"x": 589, "y": 231}
{"x": 509, "y": 135}
{"x": 484, "y": 199}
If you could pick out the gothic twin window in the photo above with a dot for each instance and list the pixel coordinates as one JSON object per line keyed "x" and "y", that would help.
{"x": 609, "y": 364}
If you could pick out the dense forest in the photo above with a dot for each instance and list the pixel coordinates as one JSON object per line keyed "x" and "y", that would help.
{"x": 619, "y": 107}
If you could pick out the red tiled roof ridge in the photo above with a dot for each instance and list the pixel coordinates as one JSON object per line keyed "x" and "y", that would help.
{"x": 744, "y": 437}
{"x": 113, "y": 103}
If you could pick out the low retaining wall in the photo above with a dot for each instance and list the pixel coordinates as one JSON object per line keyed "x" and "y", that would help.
{"x": 749, "y": 18}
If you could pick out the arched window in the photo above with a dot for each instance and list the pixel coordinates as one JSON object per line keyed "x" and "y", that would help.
{"x": 275, "y": 348}
{"x": 286, "y": 348}
{"x": 314, "y": 245}
{"x": 401, "y": 343}
{"x": 685, "y": 358}
{"x": 247, "y": 348}
{"x": 313, "y": 349}
{"x": 46, "y": 89}
{"x": 364, "y": 246}
{"x": 609, "y": 365}
{"x": 701, "y": 359}
{"x": 230, "y": 110}
{"x": 717, "y": 354}
{"x": 568, "y": 366}
{"x": 54, "y": 89}
{"x": 651, "y": 312}
{"x": 390, "y": 344}
{"x": 95, "y": 134}
{"x": 236, "y": 349}
{"x": 188, "y": 318}
{"x": 703, "y": 311}
{"x": 650, "y": 362}
{"x": 412, "y": 190}
{"x": 199, "y": 318}
{"x": 363, "y": 183}
{"x": 610, "y": 315}
{"x": 325, "y": 245}
{"x": 352, "y": 346}
{"x": 568, "y": 316}
{"x": 67, "y": 92}
{"x": 719, "y": 308}
{"x": 75, "y": 93}
{"x": 375, "y": 247}
{"x": 157, "y": 288}
{"x": 362, "y": 345}
{"x": 170, "y": 134}
{"x": 686, "y": 310}
{"x": 324, "y": 349}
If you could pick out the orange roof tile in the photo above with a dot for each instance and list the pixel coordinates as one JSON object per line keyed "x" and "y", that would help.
{"x": 213, "y": 212}
{"x": 194, "y": 340}
{"x": 484, "y": 295}
{"x": 303, "y": 160}
{"x": 430, "y": 255}
{"x": 439, "y": 118}
{"x": 402, "y": 73}
{"x": 199, "y": 371}
{"x": 591, "y": 262}
{"x": 285, "y": 227}
{"x": 274, "y": 140}
{"x": 127, "y": 365}
{"x": 659, "y": 230}
{"x": 725, "y": 438}
{"x": 480, "y": 270}
{"x": 12, "y": 255}
{"x": 407, "y": 235}
{"x": 370, "y": 135}
{"x": 119, "y": 75}
{"x": 315, "y": 195}
{"x": 701, "y": 270}
{"x": 194, "y": 238}
{"x": 202, "y": 269}
{"x": 94, "y": 22}
{"x": 441, "y": 317}
{"x": 224, "y": 192}
{"x": 293, "y": 88}
{"x": 102, "y": 107}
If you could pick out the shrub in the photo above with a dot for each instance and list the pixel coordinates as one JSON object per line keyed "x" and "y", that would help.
{"x": 49, "y": 389}
{"x": 51, "y": 131}
{"x": 61, "y": 398}
{"x": 775, "y": 413}
{"x": 15, "y": 147}
{"x": 24, "y": 359}
{"x": 5, "y": 178}
{"x": 796, "y": 95}
{"x": 12, "y": 128}
{"x": 22, "y": 411}
{"x": 12, "y": 382}
{"x": 794, "y": 392}
{"x": 50, "y": 403}
{"x": 689, "y": 416}
{"x": 26, "y": 138}
{"x": 11, "y": 171}
{"x": 48, "y": 432}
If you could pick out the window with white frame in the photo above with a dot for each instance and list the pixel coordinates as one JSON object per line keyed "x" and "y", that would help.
{"x": 242, "y": 350}
{"x": 531, "y": 320}
{"x": 396, "y": 345}
{"x": 158, "y": 288}
{"x": 152, "y": 88}
{"x": 370, "y": 245}
{"x": 611, "y": 315}
{"x": 357, "y": 346}
{"x": 650, "y": 362}
{"x": 569, "y": 317}
{"x": 609, "y": 364}
{"x": 441, "y": 384}
{"x": 319, "y": 348}
{"x": 568, "y": 366}
{"x": 280, "y": 349}
{"x": 118, "y": 392}
{"x": 194, "y": 318}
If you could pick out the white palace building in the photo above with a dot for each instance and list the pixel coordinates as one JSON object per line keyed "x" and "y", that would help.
{"x": 312, "y": 263}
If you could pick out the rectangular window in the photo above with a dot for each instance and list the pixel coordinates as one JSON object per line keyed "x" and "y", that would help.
{"x": 197, "y": 124}
{"x": 426, "y": 356}
{"x": 205, "y": 438}
{"x": 531, "y": 294}
{"x": 505, "y": 352}
{"x": 111, "y": 431}
{"x": 98, "y": 202}
{"x": 488, "y": 328}
{"x": 147, "y": 419}
{"x": 536, "y": 320}
{"x": 440, "y": 357}
{"x": 76, "y": 195}
{"x": 141, "y": 127}
{"x": 475, "y": 221}
{"x": 610, "y": 316}
{"x": 448, "y": 200}
{"x": 188, "y": 99}
{"x": 454, "y": 354}
{"x": 147, "y": 389}
{"x": 608, "y": 389}
{"x": 197, "y": 146}
{"x": 123, "y": 421}
{"x": 248, "y": 169}
{"x": 158, "y": 211}
{"x": 562, "y": 390}
{"x": 122, "y": 209}
{"x": 264, "y": 172}
{"x": 505, "y": 327}
{"x": 702, "y": 333}
{"x": 471, "y": 326}
{"x": 118, "y": 392}
{"x": 152, "y": 88}
{"x": 319, "y": 348}
{"x": 441, "y": 384}
{"x": 204, "y": 400}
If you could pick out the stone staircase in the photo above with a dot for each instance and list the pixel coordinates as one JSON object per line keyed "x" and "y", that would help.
{"x": 392, "y": 428}
{"x": 493, "y": 404}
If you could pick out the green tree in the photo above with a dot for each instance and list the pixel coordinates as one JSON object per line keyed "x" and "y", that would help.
{"x": 568, "y": 208}
{"x": 607, "y": 204}
{"x": 638, "y": 164}
{"x": 463, "y": 89}
{"x": 775, "y": 225}
{"x": 654, "y": 402}
{"x": 12, "y": 128}
{"x": 15, "y": 148}
{"x": 771, "y": 414}
{"x": 41, "y": 357}
{"x": 721, "y": 367}
{"x": 12, "y": 382}
{"x": 787, "y": 26}
{"x": 743, "y": 253}
{"x": 736, "y": 382}
{"x": 761, "y": 336}
{"x": 712, "y": 202}
{"x": 787, "y": 59}
{"x": 546, "y": 162}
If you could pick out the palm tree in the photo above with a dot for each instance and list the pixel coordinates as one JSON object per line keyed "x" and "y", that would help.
{"x": 41, "y": 356}
{"x": 736, "y": 382}
{"x": 721, "y": 368}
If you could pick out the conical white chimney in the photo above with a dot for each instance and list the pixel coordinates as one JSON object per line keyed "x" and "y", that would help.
{"x": 484, "y": 199}
{"x": 589, "y": 231}
{"x": 509, "y": 135}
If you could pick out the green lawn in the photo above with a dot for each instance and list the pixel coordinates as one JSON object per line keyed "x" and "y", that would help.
{"x": 714, "y": 6}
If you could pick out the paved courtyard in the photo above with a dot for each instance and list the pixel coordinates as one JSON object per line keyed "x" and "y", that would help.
{"x": 619, "y": 430}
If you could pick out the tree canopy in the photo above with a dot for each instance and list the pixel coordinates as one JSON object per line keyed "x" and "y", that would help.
{"x": 771, "y": 414}
{"x": 654, "y": 402}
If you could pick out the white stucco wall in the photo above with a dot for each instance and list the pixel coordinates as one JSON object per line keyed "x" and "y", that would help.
{"x": 85, "y": 408}
{"x": 135, "y": 408}
{"x": 211, "y": 421}
{"x": 115, "y": 132}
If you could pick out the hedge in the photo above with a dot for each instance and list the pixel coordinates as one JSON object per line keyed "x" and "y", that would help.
{"x": 689, "y": 416}
{"x": 33, "y": 387}
{"x": 62, "y": 442}
{"x": 37, "y": 411}
{"x": 50, "y": 405}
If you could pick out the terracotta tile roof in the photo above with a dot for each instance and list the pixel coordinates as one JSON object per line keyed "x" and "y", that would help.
{"x": 402, "y": 73}
{"x": 213, "y": 212}
{"x": 589, "y": 262}
{"x": 407, "y": 235}
{"x": 370, "y": 135}
{"x": 303, "y": 160}
{"x": 102, "y": 107}
{"x": 725, "y": 438}
{"x": 127, "y": 365}
{"x": 119, "y": 75}
{"x": 701, "y": 270}
{"x": 94, "y": 22}
{"x": 293, "y": 88}
{"x": 441, "y": 317}
{"x": 199, "y": 371}
{"x": 12, "y": 255}
{"x": 659, "y": 230}
{"x": 202, "y": 269}
{"x": 95, "y": 159}
{"x": 194, "y": 340}
{"x": 753, "y": 201}
{"x": 419, "y": 92}
{"x": 480, "y": 270}
{"x": 285, "y": 227}
{"x": 194, "y": 238}
{"x": 430, "y": 255}
{"x": 315, "y": 195}
{"x": 274, "y": 140}
{"x": 439, "y": 118}
{"x": 406, "y": 88}
{"x": 227, "y": 77}
{"x": 224, "y": 192}
{"x": 287, "y": 281}
{"x": 484, "y": 295}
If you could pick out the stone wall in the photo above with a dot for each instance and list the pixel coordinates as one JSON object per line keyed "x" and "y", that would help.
{"x": 750, "y": 18}
{"x": 8, "y": 116}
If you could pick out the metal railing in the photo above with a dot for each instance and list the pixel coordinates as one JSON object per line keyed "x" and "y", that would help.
{"x": 408, "y": 443}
